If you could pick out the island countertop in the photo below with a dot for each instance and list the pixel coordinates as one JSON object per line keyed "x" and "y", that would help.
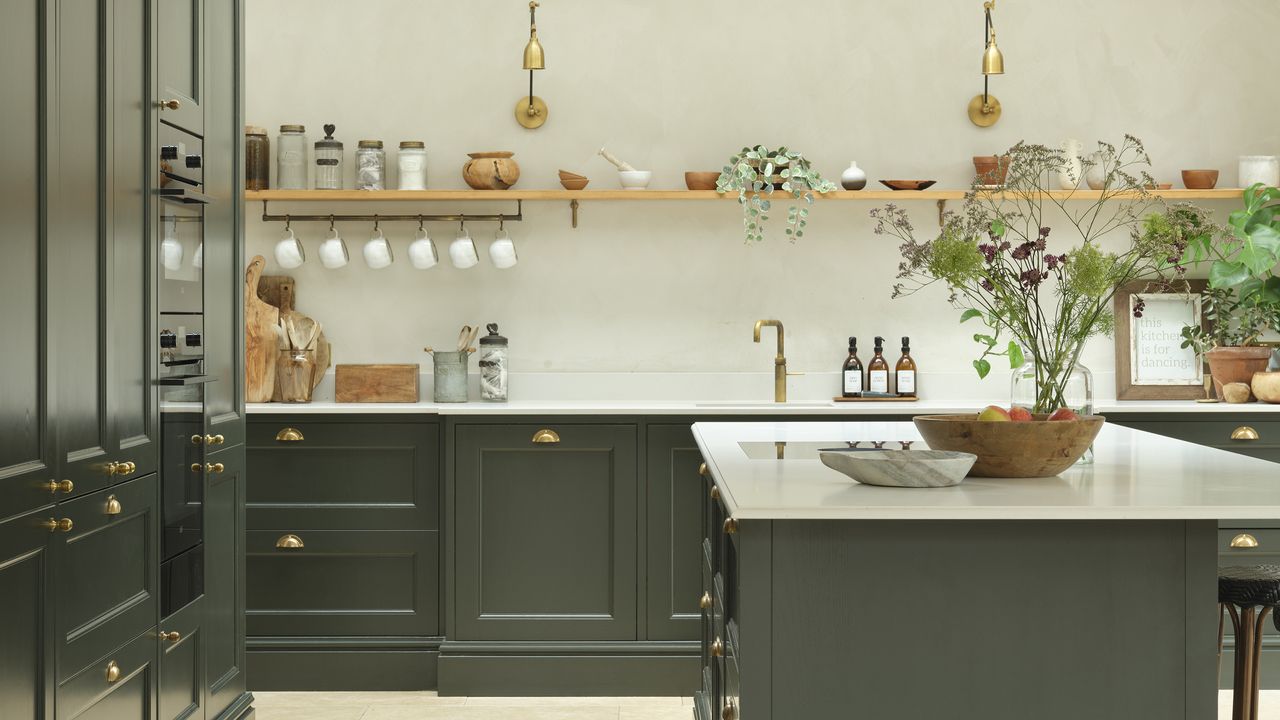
{"x": 1135, "y": 476}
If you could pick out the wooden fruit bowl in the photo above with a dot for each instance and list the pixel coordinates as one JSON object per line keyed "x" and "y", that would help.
{"x": 1038, "y": 448}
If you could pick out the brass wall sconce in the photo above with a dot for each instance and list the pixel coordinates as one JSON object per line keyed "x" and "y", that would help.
{"x": 984, "y": 109}
{"x": 531, "y": 112}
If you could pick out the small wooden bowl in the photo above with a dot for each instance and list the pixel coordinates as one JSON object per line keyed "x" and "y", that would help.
{"x": 573, "y": 181}
{"x": 908, "y": 184}
{"x": 701, "y": 180}
{"x": 1200, "y": 179}
{"x": 1033, "y": 449}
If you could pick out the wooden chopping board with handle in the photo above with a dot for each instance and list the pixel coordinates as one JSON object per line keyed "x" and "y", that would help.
{"x": 281, "y": 291}
{"x": 261, "y": 338}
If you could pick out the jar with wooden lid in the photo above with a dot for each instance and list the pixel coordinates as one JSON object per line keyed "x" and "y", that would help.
{"x": 257, "y": 158}
{"x": 371, "y": 166}
{"x": 291, "y": 158}
{"x": 328, "y": 161}
{"x": 412, "y": 165}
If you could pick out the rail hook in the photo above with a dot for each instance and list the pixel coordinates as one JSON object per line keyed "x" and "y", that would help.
{"x": 330, "y": 223}
{"x": 462, "y": 222}
{"x": 287, "y": 227}
{"x": 420, "y": 228}
{"x": 375, "y": 223}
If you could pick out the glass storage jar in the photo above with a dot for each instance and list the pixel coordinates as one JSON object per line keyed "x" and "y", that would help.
{"x": 493, "y": 365}
{"x": 257, "y": 158}
{"x": 291, "y": 158}
{"x": 328, "y": 161}
{"x": 371, "y": 166}
{"x": 412, "y": 165}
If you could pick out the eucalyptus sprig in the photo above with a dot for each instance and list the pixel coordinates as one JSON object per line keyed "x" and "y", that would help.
{"x": 754, "y": 173}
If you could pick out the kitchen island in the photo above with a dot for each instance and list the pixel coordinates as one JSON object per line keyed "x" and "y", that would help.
{"x": 1090, "y": 594}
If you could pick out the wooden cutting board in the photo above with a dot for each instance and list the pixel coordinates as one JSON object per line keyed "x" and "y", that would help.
{"x": 261, "y": 338}
{"x": 376, "y": 383}
{"x": 282, "y": 292}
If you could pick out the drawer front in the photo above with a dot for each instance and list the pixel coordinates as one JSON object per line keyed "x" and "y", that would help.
{"x": 1218, "y": 433}
{"x": 106, "y": 571}
{"x": 181, "y": 666}
{"x": 730, "y": 704}
{"x": 343, "y": 583}
{"x": 116, "y": 686}
{"x": 343, "y": 475}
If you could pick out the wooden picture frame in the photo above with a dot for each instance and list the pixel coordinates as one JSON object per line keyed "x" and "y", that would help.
{"x": 1182, "y": 383}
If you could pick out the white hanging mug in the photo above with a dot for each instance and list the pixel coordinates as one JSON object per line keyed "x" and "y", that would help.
{"x": 377, "y": 251}
{"x": 333, "y": 251}
{"x": 197, "y": 260}
{"x": 502, "y": 251}
{"x": 462, "y": 251}
{"x": 422, "y": 251}
{"x": 170, "y": 248}
{"x": 289, "y": 251}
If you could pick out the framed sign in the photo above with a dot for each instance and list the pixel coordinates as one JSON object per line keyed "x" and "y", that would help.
{"x": 1150, "y": 361}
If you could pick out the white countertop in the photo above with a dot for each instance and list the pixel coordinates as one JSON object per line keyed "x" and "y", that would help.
{"x": 1135, "y": 476}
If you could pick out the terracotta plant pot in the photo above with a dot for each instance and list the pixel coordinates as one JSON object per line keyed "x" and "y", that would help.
{"x": 491, "y": 170}
{"x": 991, "y": 169}
{"x": 1200, "y": 179}
{"x": 1266, "y": 386}
{"x": 1032, "y": 449}
{"x": 1236, "y": 365}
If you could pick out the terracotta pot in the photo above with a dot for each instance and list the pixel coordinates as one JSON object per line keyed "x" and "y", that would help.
{"x": 1266, "y": 386}
{"x": 491, "y": 170}
{"x": 990, "y": 169}
{"x": 1236, "y": 365}
{"x": 1200, "y": 179}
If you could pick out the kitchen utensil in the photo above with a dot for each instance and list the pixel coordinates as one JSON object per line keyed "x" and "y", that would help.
{"x": 376, "y": 383}
{"x": 502, "y": 251}
{"x": 422, "y": 251}
{"x": 294, "y": 370}
{"x": 262, "y": 332}
{"x": 572, "y": 181}
{"x": 701, "y": 180}
{"x": 462, "y": 251}
{"x": 1032, "y": 449}
{"x": 634, "y": 179}
{"x": 333, "y": 251}
{"x": 908, "y": 184}
{"x": 464, "y": 338}
{"x": 289, "y": 251}
{"x": 450, "y": 376}
{"x": 377, "y": 251}
{"x": 901, "y": 468}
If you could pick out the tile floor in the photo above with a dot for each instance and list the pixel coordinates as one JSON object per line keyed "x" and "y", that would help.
{"x": 429, "y": 706}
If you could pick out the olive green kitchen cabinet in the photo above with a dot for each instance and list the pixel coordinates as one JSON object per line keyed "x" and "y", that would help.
{"x": 120, "y": 685}
{"x": 673, "y": 496}
{"x": 181, "y": 663}
{"x": 26, "y": 597}
{"x": 224, "y": 587}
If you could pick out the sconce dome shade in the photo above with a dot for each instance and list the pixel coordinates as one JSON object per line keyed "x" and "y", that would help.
{"x": 992, "y": 60}
{"x": 533, "y": 57}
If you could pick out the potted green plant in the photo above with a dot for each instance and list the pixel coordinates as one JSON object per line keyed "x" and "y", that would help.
{"x": 757, "y": 173}
{"x": 1243, "y": 298}
{"x": 1040, "y": 304}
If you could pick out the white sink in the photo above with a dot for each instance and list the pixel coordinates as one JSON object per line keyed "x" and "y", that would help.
{"x": 731, "y": 404}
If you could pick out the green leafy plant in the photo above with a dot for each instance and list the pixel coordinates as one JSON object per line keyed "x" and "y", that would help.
{"x": 995, "y": 257}
{"x": 756, "y": 173}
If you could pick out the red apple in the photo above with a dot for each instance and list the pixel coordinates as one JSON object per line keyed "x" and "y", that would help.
{"x": 994, "y": 413}
{"x": 1064, "y": 414}
{"x": 1017, "y": 413}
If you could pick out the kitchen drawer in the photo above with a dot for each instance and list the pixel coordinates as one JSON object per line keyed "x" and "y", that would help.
{"x": 115, "y": 686}
{"x": 348, "y": 475}
{"x": 181, "y": 667}
{"x": 1214, "y": 432}
{"x": 730, "y": 703}
{"x": 343, "y": 583}
{"x": 106, "y": 571}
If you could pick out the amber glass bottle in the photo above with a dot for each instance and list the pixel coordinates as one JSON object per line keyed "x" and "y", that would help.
{"x": 905, "y": 372}
{"x": 878, "y": 370}
{"x": 851, "y": 372}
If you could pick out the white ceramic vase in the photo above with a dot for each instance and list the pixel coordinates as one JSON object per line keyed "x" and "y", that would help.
{"x": 1263, "y": 169}
{"x": 1071, "y": 170}
{"x": 1097, "y": 175}
{"x": 853, "y": 178}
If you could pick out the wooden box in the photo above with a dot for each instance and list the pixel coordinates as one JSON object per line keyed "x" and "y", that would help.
{"x": 376, "y": 383}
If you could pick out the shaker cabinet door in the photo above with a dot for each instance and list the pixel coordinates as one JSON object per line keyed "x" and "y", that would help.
{"x": 674, "y": 496}
{"x": 26, "y": 661}
{"x": 182, "y": 74}
{"x": 224, "y": 594}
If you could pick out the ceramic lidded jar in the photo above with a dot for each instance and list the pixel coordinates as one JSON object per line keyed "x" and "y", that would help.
{"x": 1256, "y": 169}
{"x": 491, "y": 170}
{"x": 493, "y": 365}
{"x": 853, "y": 178}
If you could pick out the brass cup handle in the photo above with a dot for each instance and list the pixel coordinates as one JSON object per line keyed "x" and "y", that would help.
{"x": 715, "y": 492}
{"x": 55, "y": 525}
{"x": 1244, "y": 432}
{"x": 113, "y": 505}
{"x": 546, "y": 436}
{"x": 704, "y": 602}
{"x": 169, "y": 104}
{"x": 172, "y": 636}
{"x": 113, "y": 671}
{"x": 290, "y": 542}
{"x": 717, "y": 648}
{"x": 290, "y": 434}
{"x": 1244, "y": 540}
{"x": 730, "y": 526}
{"x": 54, "y": 486}
{"x": 702, "y": 470}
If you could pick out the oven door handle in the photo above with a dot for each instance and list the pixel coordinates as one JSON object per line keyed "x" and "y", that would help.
{"x": 186, "y": 380}
{"x": 183, "y": 195}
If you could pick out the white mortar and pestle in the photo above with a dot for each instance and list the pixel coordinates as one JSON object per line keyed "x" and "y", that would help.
{"x": 629, "y": 177}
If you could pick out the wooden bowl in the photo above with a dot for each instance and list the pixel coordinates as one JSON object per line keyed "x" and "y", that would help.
{"x": 701, "y": 180}
{"x": 573, "y": 183}
{"x": 908, "y": 184}
{"x": 1200, "y": 179}
{"x": 1037, "y": 448}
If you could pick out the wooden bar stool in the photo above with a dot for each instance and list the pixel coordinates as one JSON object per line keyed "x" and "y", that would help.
{"x": 1249, "y": 594}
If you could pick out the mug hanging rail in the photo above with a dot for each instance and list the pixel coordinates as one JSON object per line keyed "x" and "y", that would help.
{"x": 418, "y": 217}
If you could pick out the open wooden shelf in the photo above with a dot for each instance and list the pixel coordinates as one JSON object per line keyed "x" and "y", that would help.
{"x": 664, "y": 195}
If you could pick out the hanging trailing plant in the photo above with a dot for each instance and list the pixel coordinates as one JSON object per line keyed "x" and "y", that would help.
{"x": 757, "y": 173}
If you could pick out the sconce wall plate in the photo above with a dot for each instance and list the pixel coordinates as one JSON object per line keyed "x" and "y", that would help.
{"x": 984, "y": 114}
{"x": 538, "y": 115}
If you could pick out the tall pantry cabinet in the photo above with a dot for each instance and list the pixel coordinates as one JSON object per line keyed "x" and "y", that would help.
{"x": 82, "y": 631}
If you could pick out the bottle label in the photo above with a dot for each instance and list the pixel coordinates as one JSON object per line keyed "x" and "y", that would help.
{"x": 906, "y": 381}
{"x": 879, "y": 380}
{"x": 852, "y": 381}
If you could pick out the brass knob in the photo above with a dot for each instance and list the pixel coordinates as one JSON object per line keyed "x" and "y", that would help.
{"x": 215, "y": 467}
{"x": 197, "y": 439}
{"x": 546, "y": 436}
{"x": 197, "y": 467}
{"x": 172, "y": 636}
{"x": 704, "y": 602}
{"x": 730, "y": 711}
{"x": 114, "y": 468}
{"x": 1244, "y": 432}
{"x": 214, "y": 439}
{"x": 702, "y": 470}
{"x": 53, "y": 525}
{"x": 290, "y": 435}
{"x": 717, "y": 648}
{"x": 730, "y": 526}
{"x": 113, "y": 505}
{"x": 715, "y": 492}
{"x": 54, "y": 486}
{"x": 1244, "y": 540}
{"x": 169, "y": 104}
{"x": 113, "y": 671}
{"x": 290, "y": 542}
